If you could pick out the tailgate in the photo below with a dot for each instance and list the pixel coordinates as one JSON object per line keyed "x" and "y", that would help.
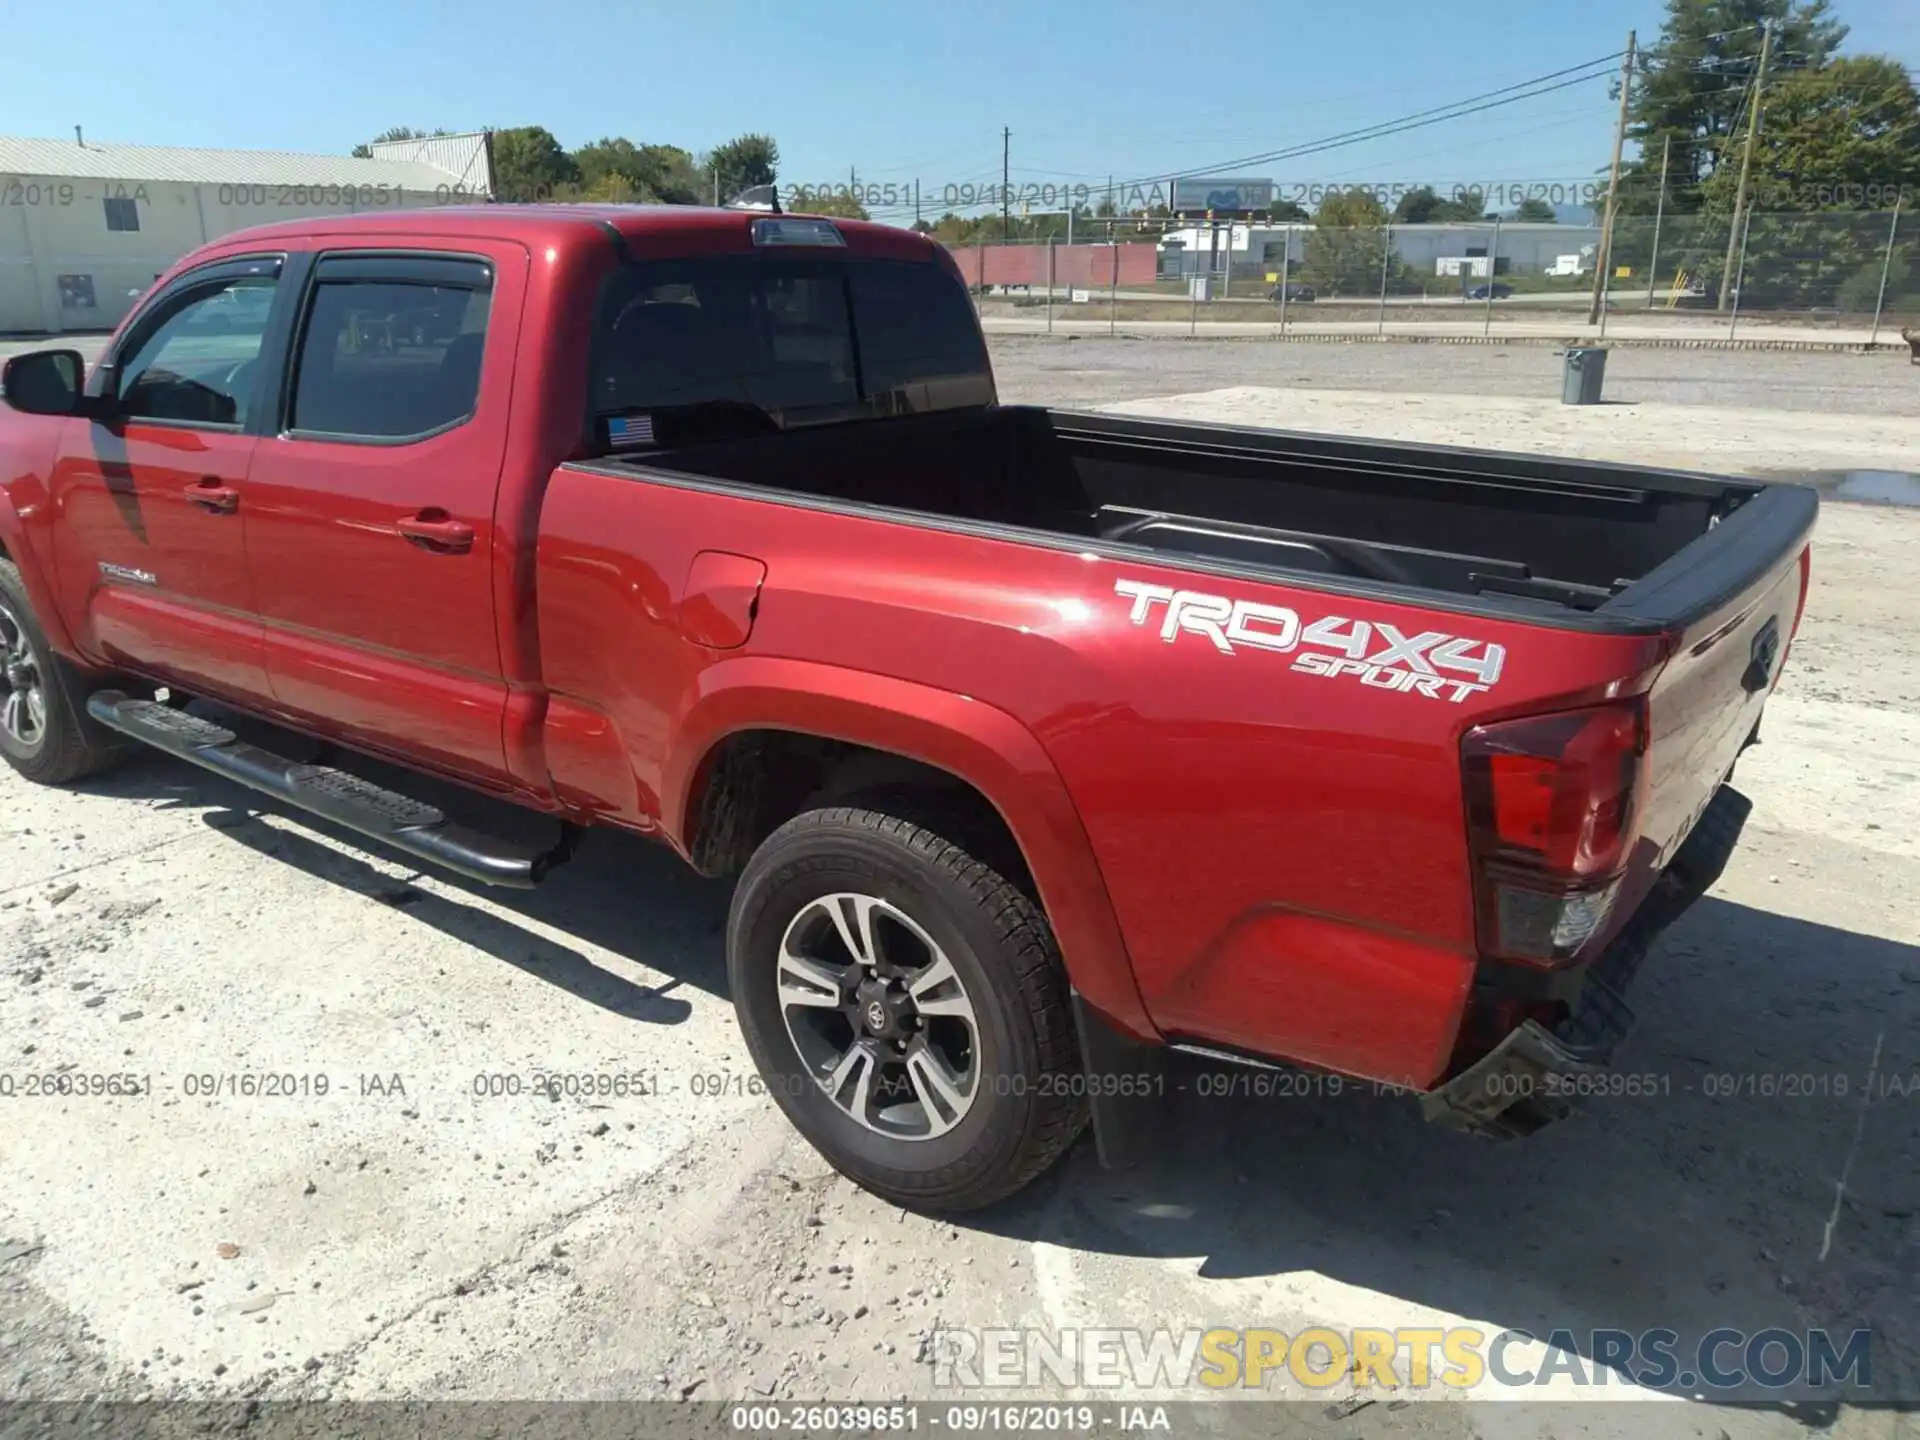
{"x": 1732, "y": 600}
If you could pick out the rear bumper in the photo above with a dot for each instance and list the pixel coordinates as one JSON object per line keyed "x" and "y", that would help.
{"x": 1536, "y": 1075}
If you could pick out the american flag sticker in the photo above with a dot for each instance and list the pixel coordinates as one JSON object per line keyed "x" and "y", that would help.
{"x": 625, "y": 432}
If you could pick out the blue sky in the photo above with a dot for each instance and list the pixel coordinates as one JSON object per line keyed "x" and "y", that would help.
{"x": 897, "y": 91}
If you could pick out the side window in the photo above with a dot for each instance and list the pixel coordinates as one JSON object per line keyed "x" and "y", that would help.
{"x": 197, "y": 366}
{"x": 122, "y": 213}
{"x": 389, "y": 359}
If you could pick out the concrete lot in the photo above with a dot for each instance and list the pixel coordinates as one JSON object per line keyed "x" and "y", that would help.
{"x": 412, "y": 1233}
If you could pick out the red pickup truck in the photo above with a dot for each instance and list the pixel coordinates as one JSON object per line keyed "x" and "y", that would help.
{"x": 1042, "y": 742}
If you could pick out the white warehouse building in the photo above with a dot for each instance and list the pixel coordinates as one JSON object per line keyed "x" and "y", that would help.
{"x": 1523, "y": 246}
{"x": 85, "y": 227}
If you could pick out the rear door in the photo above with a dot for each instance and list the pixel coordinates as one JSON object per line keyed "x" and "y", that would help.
{"x": 371, "y": 510}
{"x": 151, "y": 546}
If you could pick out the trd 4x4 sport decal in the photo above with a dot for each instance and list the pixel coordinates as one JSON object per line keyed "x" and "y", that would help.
{"x": 1373, "y": 651}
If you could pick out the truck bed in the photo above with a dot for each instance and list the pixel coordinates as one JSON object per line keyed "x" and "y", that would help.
{"x": 1525, "y": 532}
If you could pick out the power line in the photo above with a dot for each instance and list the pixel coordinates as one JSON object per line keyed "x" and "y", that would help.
{"x": 1489, "y": 100}
{"x": 1566, "y": 78}
{"x": 1671, "y": 57}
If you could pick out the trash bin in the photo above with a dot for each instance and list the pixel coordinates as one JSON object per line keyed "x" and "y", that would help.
{"x": 1584, "y": 371}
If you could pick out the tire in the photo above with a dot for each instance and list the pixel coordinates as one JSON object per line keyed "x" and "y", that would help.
{"x": 928, "y": 897}
{"x": 65, "y": 743}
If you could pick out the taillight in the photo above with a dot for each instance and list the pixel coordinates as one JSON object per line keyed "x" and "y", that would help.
{"x": 1553, "y": 806}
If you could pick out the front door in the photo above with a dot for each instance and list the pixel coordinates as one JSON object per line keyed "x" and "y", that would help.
{"x": 370, "y": 519}
{"x": 152, "y": 499}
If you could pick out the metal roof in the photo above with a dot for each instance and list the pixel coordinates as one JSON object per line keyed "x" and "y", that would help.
{"x": 98, "y": 160}
{"x": 464, "y": 155}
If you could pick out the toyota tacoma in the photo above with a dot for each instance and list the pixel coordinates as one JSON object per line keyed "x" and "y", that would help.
{"x": 1041, "y": 743}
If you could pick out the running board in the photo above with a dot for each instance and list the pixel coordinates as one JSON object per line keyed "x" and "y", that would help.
{"x": 393, "y": 819}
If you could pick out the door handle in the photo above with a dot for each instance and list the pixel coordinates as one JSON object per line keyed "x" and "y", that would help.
{"x": 436, "y": 531}
{"x": 208, "y": 493}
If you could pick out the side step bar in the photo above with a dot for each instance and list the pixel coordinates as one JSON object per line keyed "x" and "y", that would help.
{"x": 405, "y": 824}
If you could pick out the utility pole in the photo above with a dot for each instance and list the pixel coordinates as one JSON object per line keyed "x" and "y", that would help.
{"x": 916, "y": 204}
{"x": 1659, "y": 214}
{"x": 1603, "y": 253}
{"x": 1006, "y": 201}
{"x": 1734, "y": 231}
{"x": 1886, "y": 268}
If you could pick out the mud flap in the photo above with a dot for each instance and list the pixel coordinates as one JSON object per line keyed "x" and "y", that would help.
{"x": 1126, "y": 1083}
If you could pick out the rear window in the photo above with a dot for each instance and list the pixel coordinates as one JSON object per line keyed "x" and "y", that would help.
{"x": 803, "y": 339}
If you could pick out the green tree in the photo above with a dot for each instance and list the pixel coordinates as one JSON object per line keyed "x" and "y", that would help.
{"x": 397, "y": 132}
{"x": 1422, "y": 206}
{"x": 1346, "y": 252}
{"x": 1535, "y": 212}
{"x": 675, "y": 177}
{"x": 1284, "y": 212}
{"x": 1695, "y": 83}
{"x": 1835, "y": 148}
{"x": 842, "y": 207}
{"x": 744, "y": 162}
{"x": 1419, "y": 206}
{"x": 530, "y": 165}
{"x": 1844, "y": 136}
{"x": 1465, "y": 207}
{"x": 613, "y": 162}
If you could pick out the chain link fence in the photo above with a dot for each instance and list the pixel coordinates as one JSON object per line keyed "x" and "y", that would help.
{"x": 1849, "y": 277}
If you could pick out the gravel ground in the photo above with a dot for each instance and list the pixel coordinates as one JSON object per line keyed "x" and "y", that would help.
{"x": 1084, "y": 373}
{"x": 408, "y": 1235}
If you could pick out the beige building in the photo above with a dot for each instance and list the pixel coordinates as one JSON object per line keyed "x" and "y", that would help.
{"x": 85, "y": 226}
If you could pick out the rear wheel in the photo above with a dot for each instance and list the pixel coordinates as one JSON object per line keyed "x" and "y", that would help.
{"x": 907, "y": 1006}
{"x": 44, "y": 735}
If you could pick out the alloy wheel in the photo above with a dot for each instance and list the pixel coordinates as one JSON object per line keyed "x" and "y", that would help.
{"x": 23, "y": 691}
{"x": 879, "y": 1016}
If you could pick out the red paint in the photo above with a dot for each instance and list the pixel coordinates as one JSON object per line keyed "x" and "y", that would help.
{"x": 718, "y": 601}
{"x": 126, "y": 496}
{"x": 1229, "y": 850}
{"x": 375, "y": 626}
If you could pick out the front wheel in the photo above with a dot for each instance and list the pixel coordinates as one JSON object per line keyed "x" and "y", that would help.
{"x": 907, "y": 1006}
{"x": 44, "y": 734}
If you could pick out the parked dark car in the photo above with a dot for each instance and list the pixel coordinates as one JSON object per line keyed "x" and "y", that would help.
{"x": 1293, "y": 292}
{"x": 1500, "y": 292}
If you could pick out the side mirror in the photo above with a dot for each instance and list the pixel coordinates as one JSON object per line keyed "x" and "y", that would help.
{"x": 46, "y": 382}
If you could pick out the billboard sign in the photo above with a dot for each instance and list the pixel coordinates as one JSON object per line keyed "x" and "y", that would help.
{"x": 1195, "y": 196}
